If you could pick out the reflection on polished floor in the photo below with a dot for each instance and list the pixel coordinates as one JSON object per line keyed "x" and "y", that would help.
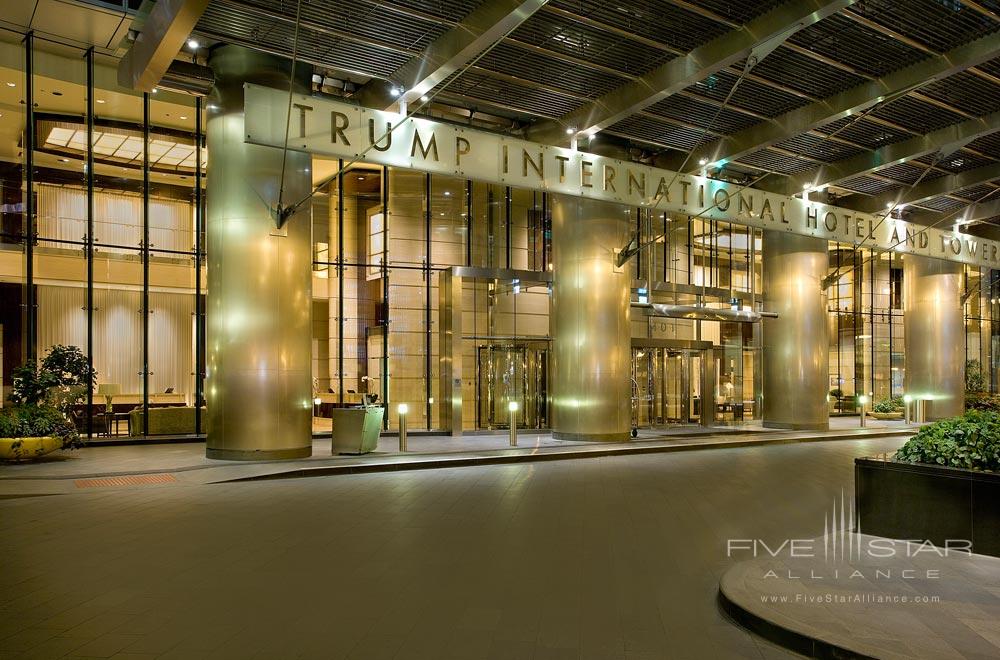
{"x": 614, "y": 558}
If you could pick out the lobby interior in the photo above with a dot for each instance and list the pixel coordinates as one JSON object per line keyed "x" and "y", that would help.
{"x": 266, "y": 291}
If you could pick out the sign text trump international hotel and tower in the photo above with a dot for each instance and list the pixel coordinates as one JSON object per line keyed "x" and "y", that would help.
{"x": 341, "y": 130}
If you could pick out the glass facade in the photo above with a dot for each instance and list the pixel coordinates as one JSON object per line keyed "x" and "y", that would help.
{"x": 102, "y": 248}
{"x": 102, "y": 234}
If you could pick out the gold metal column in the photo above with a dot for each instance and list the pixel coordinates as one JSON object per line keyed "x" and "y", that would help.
{"x": 591, "y": 335}
{"x": 795, "y": 345}
{"x": 450, "y": 351}
{"x": 934, "y": 335}
{"x": 259, "y": 384}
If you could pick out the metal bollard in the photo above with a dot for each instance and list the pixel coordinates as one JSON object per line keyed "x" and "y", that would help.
{"x": 512, "y": 407}
{"x": 907, "y": 400}
{"x": 863, "y": 400}
{"x": 402, "y": 410}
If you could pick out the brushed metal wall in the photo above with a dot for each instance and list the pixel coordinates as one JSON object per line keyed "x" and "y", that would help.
{"x": 591, "y": 332}
{"x": 795, "y": 344}
{"x": 258, "y": 383}
{"x": 934, "y": 335}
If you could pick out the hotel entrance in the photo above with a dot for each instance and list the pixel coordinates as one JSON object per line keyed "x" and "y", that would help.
{"x": 673, "y": 385}
{"x": 512, "y": 372}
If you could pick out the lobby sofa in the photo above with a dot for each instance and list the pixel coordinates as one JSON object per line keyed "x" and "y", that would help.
{"x": 176, "y": 420}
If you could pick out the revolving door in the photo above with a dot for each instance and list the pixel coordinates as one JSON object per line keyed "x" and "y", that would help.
{"x": 672, "y": 385}
{"x": 512, "y": 372}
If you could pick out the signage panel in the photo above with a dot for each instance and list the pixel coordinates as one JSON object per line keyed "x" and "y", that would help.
{"x": 336, "y": 129}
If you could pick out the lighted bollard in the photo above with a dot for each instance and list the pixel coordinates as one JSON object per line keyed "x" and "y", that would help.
{"x": 863, "y": 400}
{"x": 402, "y": 409}
{"x": 512, "y": 407}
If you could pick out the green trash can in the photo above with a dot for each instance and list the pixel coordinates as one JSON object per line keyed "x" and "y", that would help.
{"x": 356, "y": 430}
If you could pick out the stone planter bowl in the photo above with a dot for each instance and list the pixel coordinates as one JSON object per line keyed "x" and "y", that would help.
{"x": 26, "y": 449}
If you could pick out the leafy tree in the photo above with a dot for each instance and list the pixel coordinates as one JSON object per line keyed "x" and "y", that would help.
{"x": 59, "y": 381}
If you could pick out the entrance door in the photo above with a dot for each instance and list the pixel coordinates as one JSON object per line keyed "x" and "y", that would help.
{"x": 512, "y": 373}
{"x": 666, "y": 386}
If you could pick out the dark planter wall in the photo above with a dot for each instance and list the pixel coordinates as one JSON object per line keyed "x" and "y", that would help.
{"x": 910, "y": 501}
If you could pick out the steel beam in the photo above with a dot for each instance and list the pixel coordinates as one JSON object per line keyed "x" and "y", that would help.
{"x": 761, "y": 33}
{"x": 487, "y": 24}
{"x": 948, "y": 139}
{"x": 163, "y": 34}
{"x": 851, "y": 101}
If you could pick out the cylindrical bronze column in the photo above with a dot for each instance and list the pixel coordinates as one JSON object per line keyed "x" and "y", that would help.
{"x": 934, "y": 335}
{"x": 258, "y": 386}
{"x": 589, "y": 321}
{"x": 795, "y": 345}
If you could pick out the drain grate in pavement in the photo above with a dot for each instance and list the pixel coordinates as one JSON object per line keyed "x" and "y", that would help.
{"x": 128, "y": 480}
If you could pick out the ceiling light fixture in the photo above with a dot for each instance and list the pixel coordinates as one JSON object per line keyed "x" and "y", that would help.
{"x": 570, "y": 130}
{"x": 193, "y": 44}
{"x": 703, "y": 162}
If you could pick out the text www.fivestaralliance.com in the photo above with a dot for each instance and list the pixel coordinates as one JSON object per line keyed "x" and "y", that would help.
{"x": 835, "y": 599}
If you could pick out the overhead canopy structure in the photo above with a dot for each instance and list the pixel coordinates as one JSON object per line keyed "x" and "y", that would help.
{"x": 866, "y": 98}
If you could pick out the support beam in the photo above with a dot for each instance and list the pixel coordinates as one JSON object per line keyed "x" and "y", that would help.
{"x": 851, "y": 101}
{"x": 947, "y": 140}
{"x": 488, "y": 23}
{"x": 163, "y": 35}
{"x": 928, "y": 189}
{"x": 762, "y": 34}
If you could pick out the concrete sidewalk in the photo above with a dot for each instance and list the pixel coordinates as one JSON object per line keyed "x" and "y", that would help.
{"x": 96, "y": 468}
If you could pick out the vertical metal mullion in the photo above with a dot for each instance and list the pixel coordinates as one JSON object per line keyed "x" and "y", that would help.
{"x": 89, "y": 241}
{"x": 340, "y": 281}
{"x": 427, "y": 303}
{"x": 385, "y": 296}
{"x": 507, "y": 215}
{"x": 31, "y": 330}
{"x": 545, "y": 231}
{"x": 199, "y": 324}
{"x": 873, "y": 271}
{"x": 145, "y": 264}
{"x": 468, "y": 222}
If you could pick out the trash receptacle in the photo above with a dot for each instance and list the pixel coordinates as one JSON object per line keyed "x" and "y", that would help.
{"x": 356, "y": 430}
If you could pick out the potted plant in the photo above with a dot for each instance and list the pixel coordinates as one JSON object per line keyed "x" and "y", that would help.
{"x": 43, "y": 393}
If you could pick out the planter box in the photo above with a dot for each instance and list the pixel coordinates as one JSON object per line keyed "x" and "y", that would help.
{"x": 917, "y": 501}
{"x": 25, "y": 449}
{"x": 892, "y": 415}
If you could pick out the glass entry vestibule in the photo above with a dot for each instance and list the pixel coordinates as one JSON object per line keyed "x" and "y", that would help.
{"x": 673, "y": 383}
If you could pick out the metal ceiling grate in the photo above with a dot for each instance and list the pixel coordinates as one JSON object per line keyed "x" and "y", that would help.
{"x": 975, "y": 192}
{"x": 868, "y": 185}
{"x": 939, "y": 24}
{"x": 942, "y": 204}
{"x": 652, "y": 19}
{"x": 839, "y": 38}
{"x": 447, "y": 9}
{"x": 700, "y": 114}
{"x": 819, "y": 148}
{"x": 966, "y": 91}
{"x": 867, "y": 133}
{"x": 739, "y": 12}
{"x": 777, "y": 162}
{"x": 369, "y": 21}
{"x": 988, "y": 144}
{"x": 957, "y": 162}
{"x": 909, "y": 174}
{"x": 754, "y": 96}
{"x": 804, "y": 74}
{"x": 584, "y": 42}
{"x": 511, "y": 95}
{"x": 916, "y": 114}
{"x": 659, "y": 132}
{"x": 510, "y": 60}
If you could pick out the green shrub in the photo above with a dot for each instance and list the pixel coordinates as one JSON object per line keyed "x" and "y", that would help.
{"x": 971, "y": 441}
{"x": 892, "y": 405}
{"x": 982, "y": 401}
{"x": 38, "y": 421}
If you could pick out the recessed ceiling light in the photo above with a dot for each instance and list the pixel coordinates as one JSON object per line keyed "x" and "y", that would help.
{"x": 805, "y": 186}
{"x": 193, "y": 44}
{"x": 394, "y": 92}
{"x": 100, "y": 101}
{"x": 425, "y": 98}
{"x": 447, "y": 193}
{"x": 10, "y": 84}
{"x": 570, "y": 130}
{"x": 64, "y": 160}
{"x": 703, "y": 161}
{"x": 183, "y": 116}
